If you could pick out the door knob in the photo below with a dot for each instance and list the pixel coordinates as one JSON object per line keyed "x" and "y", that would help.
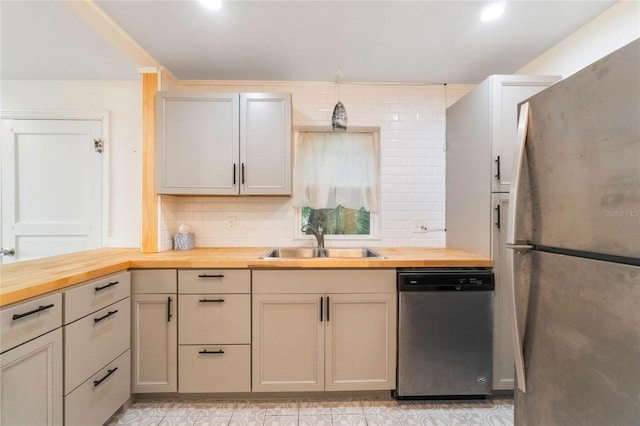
{"x": 7, "y": 252}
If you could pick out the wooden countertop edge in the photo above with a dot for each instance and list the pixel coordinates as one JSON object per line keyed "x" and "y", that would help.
{"x": 57, "y": 284}
{"x": 110, "y": 261}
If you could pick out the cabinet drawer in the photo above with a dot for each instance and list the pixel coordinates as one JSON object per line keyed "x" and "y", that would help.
{"x": 99, "y": 397}
{"x": 93, "y": 341}
{"x": 214, "y": 281}
{"x": 214, "y": 318}
{"x": 229, "y": 371}
{"x": 154, "y": 281}
{"x": 30, "y": 319}
{"x": 89, "y": 297}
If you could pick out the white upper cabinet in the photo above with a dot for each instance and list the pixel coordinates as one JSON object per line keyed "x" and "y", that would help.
{"x": 506, "y": 93}
{"x": 481, "y": 141}
{"x": 481, "y": 131}
{"x": 223, "y": 143}
{"x": 265, "y": 144}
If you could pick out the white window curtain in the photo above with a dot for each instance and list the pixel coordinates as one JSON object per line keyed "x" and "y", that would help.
{"x": 333, "y": 169}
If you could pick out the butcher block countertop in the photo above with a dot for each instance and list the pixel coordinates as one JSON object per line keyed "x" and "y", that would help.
{"x": 23, "y": 280}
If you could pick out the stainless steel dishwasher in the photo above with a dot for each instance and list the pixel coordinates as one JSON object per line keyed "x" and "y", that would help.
{"x": 445, "y": 333}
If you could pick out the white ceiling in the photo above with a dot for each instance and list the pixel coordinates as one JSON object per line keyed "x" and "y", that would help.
{"x": 370, "y": 41}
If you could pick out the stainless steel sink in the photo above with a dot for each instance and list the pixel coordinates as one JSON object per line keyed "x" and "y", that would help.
{"x": 306, "y": 252}
{"x": 293, "y": 253}
{"x": 352, "y": 252}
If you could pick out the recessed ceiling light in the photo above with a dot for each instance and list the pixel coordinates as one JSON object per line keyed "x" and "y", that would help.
{"x": 493, "y": 11}
{"x": 211, "y": 4}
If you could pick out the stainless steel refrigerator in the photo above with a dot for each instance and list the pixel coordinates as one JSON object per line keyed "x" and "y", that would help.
{"x": 575, "y": 237}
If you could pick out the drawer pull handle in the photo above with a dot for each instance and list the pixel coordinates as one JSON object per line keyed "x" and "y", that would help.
{"x": 35, "y": 311}
{"x": 206, "y": 352}
{"x": 107, "y": 285}
{"x": 109, "y": 372}
{"x": 211, "y": 300}
{"x": 210, "y": 276}
{"x": 106, "y": 316}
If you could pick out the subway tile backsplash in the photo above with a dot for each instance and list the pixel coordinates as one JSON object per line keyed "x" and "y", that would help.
{"x": 412, "y": 136}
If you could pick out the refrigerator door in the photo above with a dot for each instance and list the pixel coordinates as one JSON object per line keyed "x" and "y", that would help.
{"x": 582, "y": 341}
{"x": 583, "y": 159}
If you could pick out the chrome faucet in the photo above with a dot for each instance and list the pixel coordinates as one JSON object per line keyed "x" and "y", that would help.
{"x": 317, "y": 232}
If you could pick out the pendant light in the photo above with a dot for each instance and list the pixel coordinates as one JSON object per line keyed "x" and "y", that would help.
{"x": 339, "y": 116}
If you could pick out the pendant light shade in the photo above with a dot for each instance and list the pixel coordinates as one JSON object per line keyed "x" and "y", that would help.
{"x": 339, "y": 117}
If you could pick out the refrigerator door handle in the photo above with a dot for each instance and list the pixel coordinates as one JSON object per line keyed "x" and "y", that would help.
{"x": 515, "y": 245}
{"x": 516, "y": 337}
{"x": 521, "y": 139}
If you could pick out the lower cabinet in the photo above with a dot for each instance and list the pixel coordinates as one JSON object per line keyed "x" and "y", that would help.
{"x": 360, "y": 342}
{"x": 288, "y": 342}
{"x": 154, "y": 330}
{"x": 503, "y": 360}
{"x": 91, "y": 343}
{"x": 31, "y": 378}
{"x": 214, "y": 328}
{"x": 97, "y": 320}
{"x": 93, "y": 402}
{"x": 215, "y": 368}
{"x": 317, "y": 330}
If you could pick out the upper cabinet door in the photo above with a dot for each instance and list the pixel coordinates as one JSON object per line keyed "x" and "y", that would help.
{"x": 507, "y": 91}
{"x": 197, "y": 144}
{"x": 265, "y": 144}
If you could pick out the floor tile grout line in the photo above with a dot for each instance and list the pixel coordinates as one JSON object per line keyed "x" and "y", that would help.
{"x": 503, "y": 406}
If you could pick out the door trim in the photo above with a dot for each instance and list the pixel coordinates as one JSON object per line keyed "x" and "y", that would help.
{"x": 99, "y": 115}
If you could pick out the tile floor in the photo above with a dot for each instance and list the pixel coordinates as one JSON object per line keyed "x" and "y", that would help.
{"x": 320, "y": 412}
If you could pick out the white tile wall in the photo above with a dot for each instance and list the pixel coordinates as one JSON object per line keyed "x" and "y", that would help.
{"x": 412, "y": 129}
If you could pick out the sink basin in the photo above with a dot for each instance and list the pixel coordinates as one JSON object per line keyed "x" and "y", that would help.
{"x": 306, "y": 252}
{"x": 352, "y": 252}
{"x": 293, "y": 253}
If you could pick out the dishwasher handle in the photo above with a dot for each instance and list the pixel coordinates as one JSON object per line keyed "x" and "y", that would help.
{"x": 446, "y": 287}
{"x": 474, "y": 281}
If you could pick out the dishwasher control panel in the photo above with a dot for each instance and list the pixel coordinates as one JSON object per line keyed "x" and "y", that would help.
{"x": 445, "y": 280}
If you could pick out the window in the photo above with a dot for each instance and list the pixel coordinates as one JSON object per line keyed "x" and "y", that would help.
{"x": 338, "y": 221}
{"x": 337, "y": 180}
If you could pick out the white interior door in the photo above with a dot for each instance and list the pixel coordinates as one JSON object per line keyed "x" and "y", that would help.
{"x": 51, "y": 187}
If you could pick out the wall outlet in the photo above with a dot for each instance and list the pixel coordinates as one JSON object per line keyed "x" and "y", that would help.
{"x": 232, "y": 223}
{"x": 420, "y": 226}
